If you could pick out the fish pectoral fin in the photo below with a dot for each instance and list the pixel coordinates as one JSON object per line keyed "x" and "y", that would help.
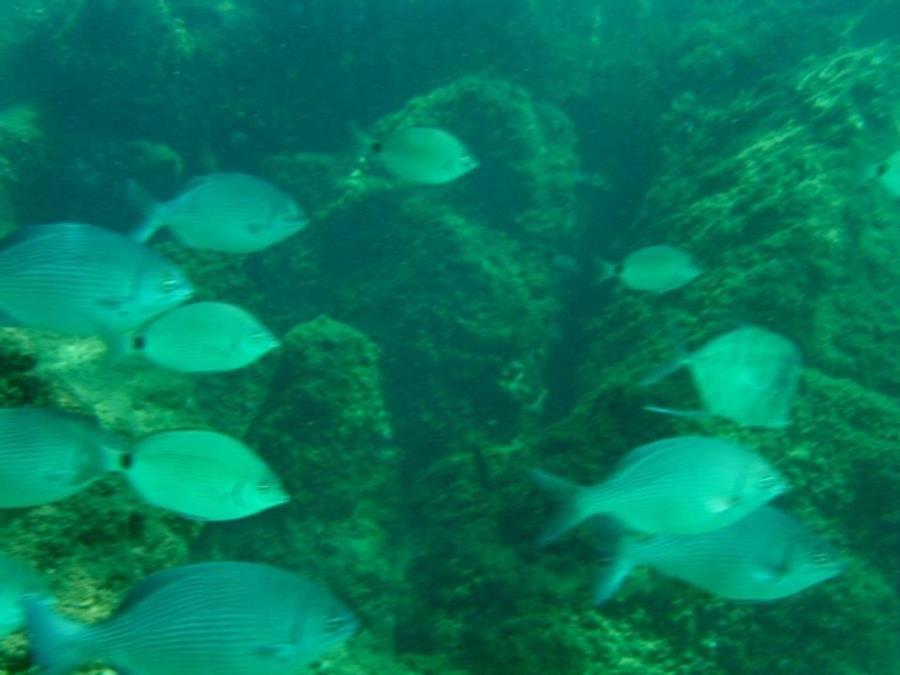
{"x": 111, "y": 303}
{"x": 770, "y": 573}
{"x": 722, "y": 504}
{"x": 278, "y": 651}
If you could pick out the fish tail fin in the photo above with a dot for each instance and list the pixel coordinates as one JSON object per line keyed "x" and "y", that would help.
{"x": 363, "y": 142}
{"x": 681, "y": 358}
{"x": 570, "y": 511}
{"x": 663, "y": 371}
{"x": 606, "y": 270}
{"x": 615, "y": 547}
{"x": 148, "y": 206}
{"x": 120, "y": 346}
{"x": 58, "y": 645}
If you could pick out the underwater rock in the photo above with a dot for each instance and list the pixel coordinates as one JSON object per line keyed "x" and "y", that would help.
{"x": 325, "y": 430}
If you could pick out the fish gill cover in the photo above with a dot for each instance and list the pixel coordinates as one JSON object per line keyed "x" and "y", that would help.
{"x": 442, "y": 324}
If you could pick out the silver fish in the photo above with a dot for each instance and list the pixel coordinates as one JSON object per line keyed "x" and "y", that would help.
{"x": 227, "y": 618}
{"x": 749, "y": 376}
{"x": 204, "y": 337}
{"x": 425, "y": 155}
{"x": 84, "y": 280}
{"x": 766, "y": 556}
{"x": 47, "y": 455}
{"x": 227, "y": 212}
{"x": 657, "y": 269}
{"x": 679, "y": 485}
{"x": 202, "y": 474}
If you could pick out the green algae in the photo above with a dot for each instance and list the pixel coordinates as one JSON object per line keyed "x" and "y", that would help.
{"x": 407, "y": 403}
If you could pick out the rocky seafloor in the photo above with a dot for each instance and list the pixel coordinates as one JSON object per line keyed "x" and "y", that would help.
{"x": 439, "y": 343}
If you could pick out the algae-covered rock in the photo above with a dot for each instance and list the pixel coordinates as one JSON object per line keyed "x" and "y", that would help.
{"x": 77, "y": 544}
{"x": 325, "y": 430}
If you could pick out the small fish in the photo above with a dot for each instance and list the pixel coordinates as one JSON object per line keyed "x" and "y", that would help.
{"x": 227, "y": 212}
{"x": 423, "y": 155}
{"x": 84, "y": 280}
{"x": 679, "y": 485}
{"x": 16, "y": 579}
{"x": 204, "y": 337}
{"x": 202, "y": 475}
{"x": 767, "y": 555}
{"x": 47, "y": 455}
{"x": 227, "y": 618}
{"x": 657, "y": 269}
{"x": 749, "y": 376}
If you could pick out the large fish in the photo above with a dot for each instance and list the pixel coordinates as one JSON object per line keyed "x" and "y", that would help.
{"x": 84, "y": 280}
{"x": 679, "y": 485}
{"x": 204, "y": 337}
{"x": 202, "y": 474}
{"x": 47, "y": 455}
{"x": 765, "y": 556}
{"x": 221, "y": 618}
{"x": 227, "y": 212}
{"x": 749, "y": 376}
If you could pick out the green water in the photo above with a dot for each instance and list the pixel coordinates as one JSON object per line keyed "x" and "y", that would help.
{"x": 441, "y": 341}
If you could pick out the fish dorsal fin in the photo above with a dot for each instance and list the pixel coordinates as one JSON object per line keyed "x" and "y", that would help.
{"x": 651, "y": 451}
{"x": 159, "y": 580}
{"x": 638, "y": 456}
{"x": 28, "y": 233}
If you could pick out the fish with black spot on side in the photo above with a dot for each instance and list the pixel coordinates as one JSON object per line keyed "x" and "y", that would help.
{"x": 204, "y": 337}
{"x": 425, "y": 155}
{"x": 200, "y": 474}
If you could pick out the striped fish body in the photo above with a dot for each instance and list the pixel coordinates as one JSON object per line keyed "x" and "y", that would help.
{"x": 203, "y": 475}
{"x": 227, "y": 618}
{"x": 766, "y": 556}
{"x": 684, "y": 485}
{"x": 84, "y": 280}
{"x": 229, "y": 212}
{"x": 205, "y": 337}
{"x": 47, "y": 455}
